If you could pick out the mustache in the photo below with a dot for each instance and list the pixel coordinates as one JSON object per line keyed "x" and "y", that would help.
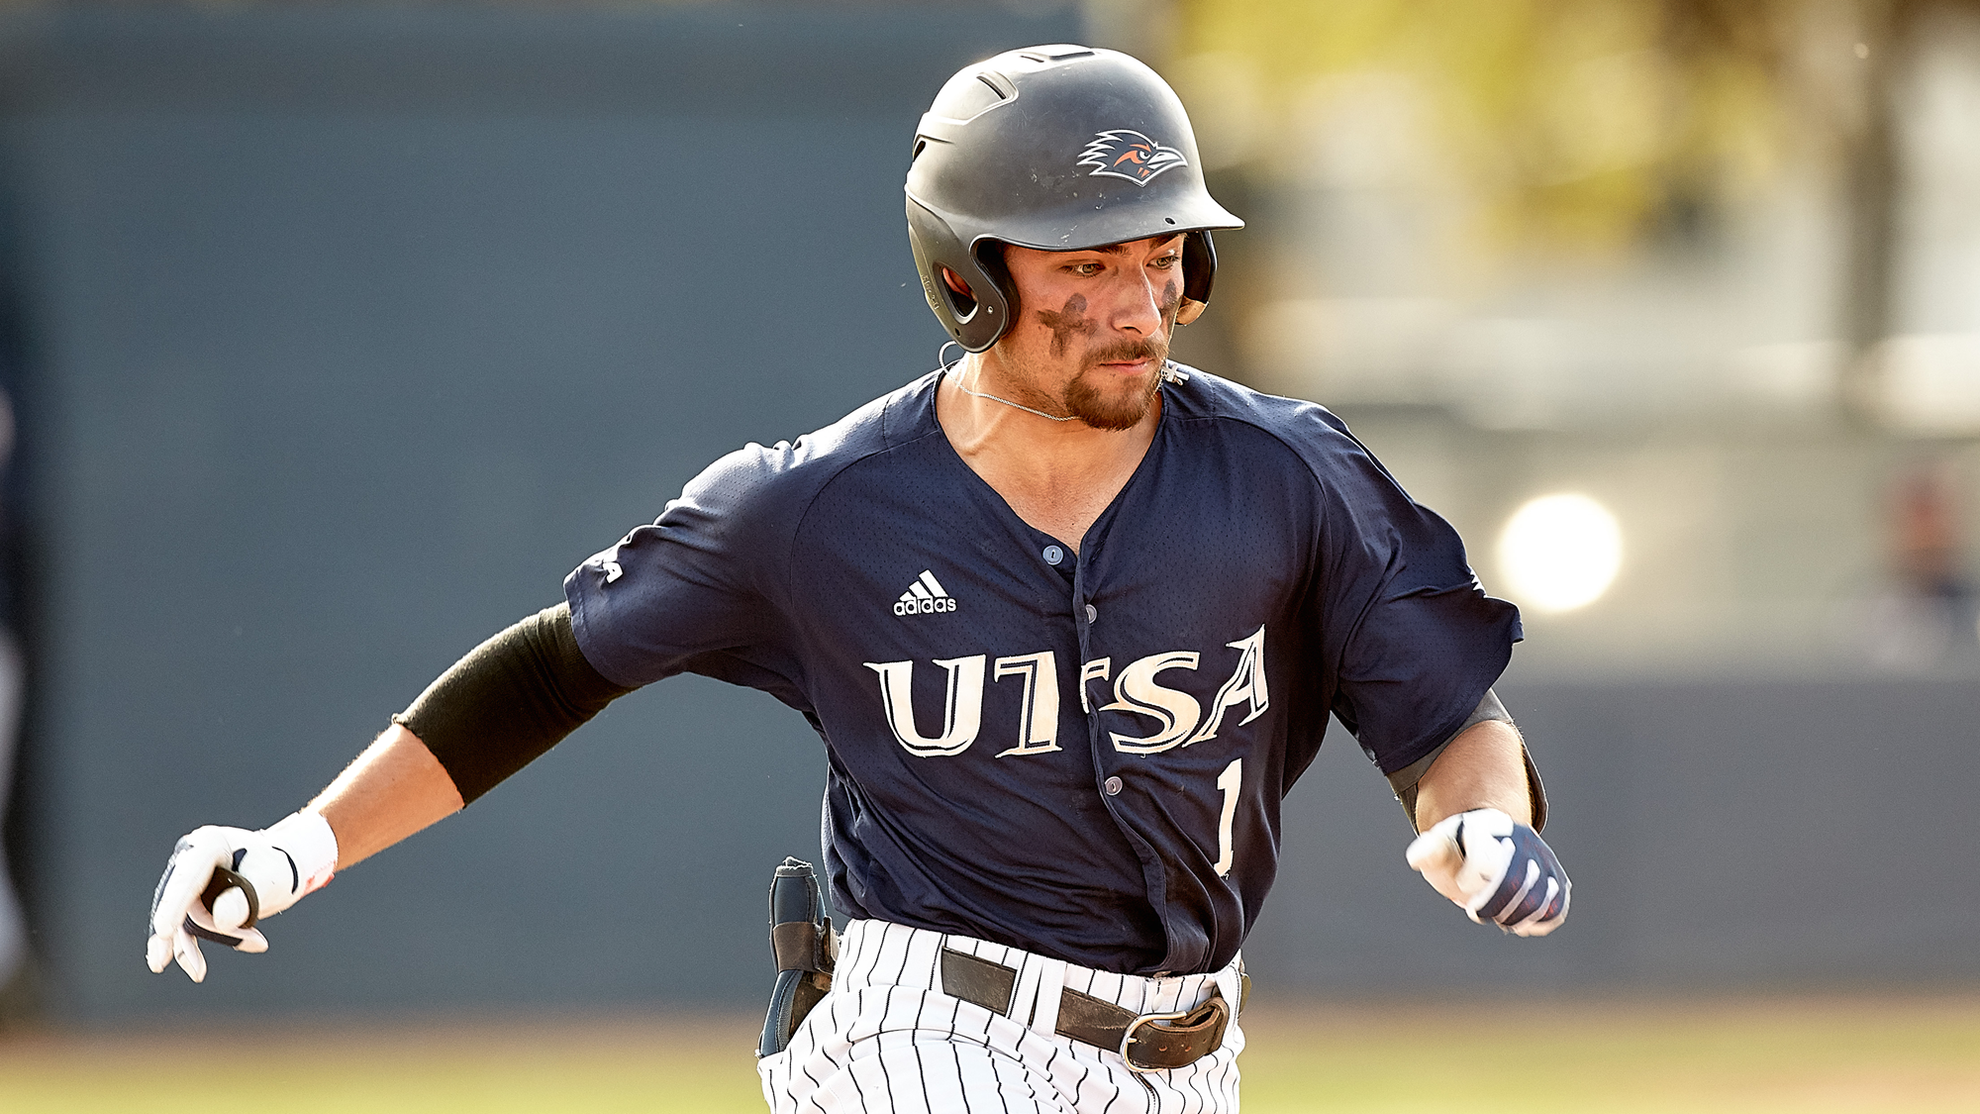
{"x": 1125, "y": 351}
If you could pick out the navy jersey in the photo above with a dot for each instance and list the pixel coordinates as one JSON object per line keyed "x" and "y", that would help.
{"x": 1079, "y": 755}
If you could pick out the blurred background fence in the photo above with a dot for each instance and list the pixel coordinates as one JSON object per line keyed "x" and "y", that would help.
{"x": 337, "y": 334}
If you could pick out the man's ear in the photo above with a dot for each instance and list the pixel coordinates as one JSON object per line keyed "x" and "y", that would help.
{"x": 1190, "y": 310}
{"x": 955, "y": 283}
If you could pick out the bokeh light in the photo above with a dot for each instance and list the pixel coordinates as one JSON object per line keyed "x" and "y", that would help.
{"x": 1560, "y": 552}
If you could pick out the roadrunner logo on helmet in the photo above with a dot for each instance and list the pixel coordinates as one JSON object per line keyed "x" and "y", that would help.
{"x": 1058, "y": 148}
{"x": 1129, "y": 154}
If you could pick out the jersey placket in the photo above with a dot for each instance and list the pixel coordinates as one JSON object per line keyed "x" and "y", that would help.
{"x": 1085, "y": 618}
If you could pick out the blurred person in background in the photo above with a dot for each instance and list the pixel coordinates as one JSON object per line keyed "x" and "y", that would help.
{"x": 1926, "y": 617}
{"x": 13, "y": 926}
{"x": 15, "y": 974}
{"x": 1131, "y": 594}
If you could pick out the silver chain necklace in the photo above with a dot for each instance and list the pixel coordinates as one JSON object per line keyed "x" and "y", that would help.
{"x": 1008, "y": 402}
{"x": 946, "y": 368}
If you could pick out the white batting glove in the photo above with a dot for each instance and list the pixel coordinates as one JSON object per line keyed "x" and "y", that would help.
{"x": 1495, "y": 869}
{"x": 220, "y": 881}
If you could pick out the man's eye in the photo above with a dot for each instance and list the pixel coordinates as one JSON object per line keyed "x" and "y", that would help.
{"x": 1086, "y": 270}
{"x": 1168, "y": 261}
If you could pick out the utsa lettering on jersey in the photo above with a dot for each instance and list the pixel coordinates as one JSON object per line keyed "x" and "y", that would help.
{"x": 1069, "y": 619}
{"x": 1135, "y": 690}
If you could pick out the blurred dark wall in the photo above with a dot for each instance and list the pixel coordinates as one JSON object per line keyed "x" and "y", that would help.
{"x": 1802, "y": 835}
{"x": 357, "y": 329}
{"x": 352, "y": 331}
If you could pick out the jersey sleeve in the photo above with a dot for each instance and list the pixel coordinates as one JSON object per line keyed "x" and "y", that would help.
{"x": 1414, "y": 640}
{"x": 698, "y": 590}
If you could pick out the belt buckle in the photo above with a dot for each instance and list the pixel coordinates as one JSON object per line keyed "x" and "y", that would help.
{"x": 1214, "y": 1010}
{"x": 1127, "y": 1038}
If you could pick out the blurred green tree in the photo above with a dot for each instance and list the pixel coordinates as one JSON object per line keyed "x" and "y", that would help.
{"x": 1597, "y": 126}
{"x": 1581, "y": 124}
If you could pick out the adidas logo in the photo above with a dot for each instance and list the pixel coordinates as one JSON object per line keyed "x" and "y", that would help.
{"x": 924, "y": 597}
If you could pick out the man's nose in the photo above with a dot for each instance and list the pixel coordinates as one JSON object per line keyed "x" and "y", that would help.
{"x": 1138, "y": 305}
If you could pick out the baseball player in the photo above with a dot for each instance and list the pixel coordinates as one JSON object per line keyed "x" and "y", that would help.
{"x": 1070, "y": 620}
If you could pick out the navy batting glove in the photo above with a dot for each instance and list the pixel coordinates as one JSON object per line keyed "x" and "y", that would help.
{"x": 1496, "y": 869}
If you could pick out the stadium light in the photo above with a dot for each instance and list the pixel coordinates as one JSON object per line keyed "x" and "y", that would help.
{"x": 1560, "y": 552}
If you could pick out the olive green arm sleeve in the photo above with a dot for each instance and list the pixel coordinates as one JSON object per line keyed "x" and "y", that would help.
{"x": 1404, "y": 781}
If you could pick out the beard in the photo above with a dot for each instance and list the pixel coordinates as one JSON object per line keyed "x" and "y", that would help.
{"x": 1100, "y": 400}
{"x": 1125, "y": 406}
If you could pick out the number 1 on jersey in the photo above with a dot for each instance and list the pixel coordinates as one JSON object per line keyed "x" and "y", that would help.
{"x": 1228, "y": 782}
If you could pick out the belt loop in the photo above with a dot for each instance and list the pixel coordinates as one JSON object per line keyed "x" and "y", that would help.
{"x": 1037, "y": 990}
{"x": 1230, "y": 982}
{"x": 1024, "y": 996}
{"x": 1051, "y": 981}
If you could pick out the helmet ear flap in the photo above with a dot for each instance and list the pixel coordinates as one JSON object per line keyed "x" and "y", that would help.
{"x": 1199, "y": 262}
{"x": 1199, "y": 272}
{"x": 976, "y": 319}
{"x": 997, "y": 294}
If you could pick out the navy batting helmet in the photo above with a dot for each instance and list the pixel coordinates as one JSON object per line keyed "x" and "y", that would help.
{"x": 1058, "y": 148}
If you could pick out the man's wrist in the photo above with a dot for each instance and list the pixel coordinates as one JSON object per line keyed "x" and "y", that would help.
{"x": 311, "y": 844}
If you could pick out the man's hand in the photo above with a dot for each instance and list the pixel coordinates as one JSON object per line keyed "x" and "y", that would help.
{"x": 279, "y": 864}
{"x": 1495, "y": 869}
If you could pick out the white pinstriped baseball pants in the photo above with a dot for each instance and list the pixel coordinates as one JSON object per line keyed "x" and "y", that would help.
{"x": 886, "y": 1040}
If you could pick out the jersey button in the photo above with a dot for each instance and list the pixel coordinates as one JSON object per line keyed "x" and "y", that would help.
{"x": 1092, "y": 613}
{"x": 1113, "y": 786}
{"x": 1053, "y": 554}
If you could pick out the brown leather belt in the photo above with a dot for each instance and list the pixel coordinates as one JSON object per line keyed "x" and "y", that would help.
{"x": 1148, "y": 1042}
